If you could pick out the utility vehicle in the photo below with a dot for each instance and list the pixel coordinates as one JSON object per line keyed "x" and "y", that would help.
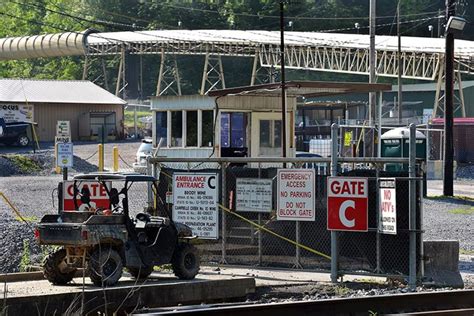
{"x": 104, "y": 240}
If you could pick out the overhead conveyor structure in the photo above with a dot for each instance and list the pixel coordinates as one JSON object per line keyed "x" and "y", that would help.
{"x": 422, "y": 57}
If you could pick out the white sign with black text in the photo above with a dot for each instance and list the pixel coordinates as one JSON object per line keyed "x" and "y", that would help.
{"x": 295, "y": 190}
{"x": 388, "y": 206}
{"x": 63, "y": 128}
{"x": 195, "y": 202}
{"x": 253, "y": 195}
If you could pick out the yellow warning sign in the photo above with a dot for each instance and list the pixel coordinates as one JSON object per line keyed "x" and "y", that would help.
{"x": 347, "y": 138}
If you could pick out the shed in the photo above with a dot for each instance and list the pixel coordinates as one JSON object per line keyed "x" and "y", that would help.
{"x": 91, "y": 110}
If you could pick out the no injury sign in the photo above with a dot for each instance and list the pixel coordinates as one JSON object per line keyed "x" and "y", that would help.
{"x": 347, "y": 204}
{"x": 296, "y": 195}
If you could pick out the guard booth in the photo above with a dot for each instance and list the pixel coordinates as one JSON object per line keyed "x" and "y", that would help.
{"x": 201, "y": 126}
{"x": 237, "y": 122}
{"x": 396, "y": 143}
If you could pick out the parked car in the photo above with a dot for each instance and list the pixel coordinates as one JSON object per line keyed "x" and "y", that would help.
{"x": 145, "y": 150}
{"x": 321, "y": 168}
{"x": 15, "y": 133}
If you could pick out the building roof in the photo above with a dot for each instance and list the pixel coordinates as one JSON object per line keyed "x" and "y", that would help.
{"x": 55, "y": 91}
{"x": 306, "y": 89}
{"x": 419, "y": 87}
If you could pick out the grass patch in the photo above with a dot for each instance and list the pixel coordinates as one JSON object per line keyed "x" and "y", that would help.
{"x": 24, "y": 164}
{"x": 457, "y": 198}
{"x": 29, "y": 219}
{"x": 129, "y": 116}
{"x": 462, "y": 211}
{"x": 466, "y": 252}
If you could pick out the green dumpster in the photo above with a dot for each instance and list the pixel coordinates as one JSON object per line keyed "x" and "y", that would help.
{"x": 396, "y": 143}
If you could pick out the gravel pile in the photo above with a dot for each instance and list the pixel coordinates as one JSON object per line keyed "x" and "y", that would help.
{"x": 465, "y": 172}
{"x": 319, "y": 291}
{"x": 44, "y": 165}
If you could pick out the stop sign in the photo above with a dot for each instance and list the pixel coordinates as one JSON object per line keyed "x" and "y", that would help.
{"x": 347, "y": 204}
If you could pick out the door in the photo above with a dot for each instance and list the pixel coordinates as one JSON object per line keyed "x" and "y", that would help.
{"x": 266, "y": 135}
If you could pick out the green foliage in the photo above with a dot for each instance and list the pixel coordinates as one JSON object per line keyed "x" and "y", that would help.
{"x": 129, "y": 118}
{"x": 463, "y": 211}
{"x": 24, "y": 164}
{"x": 25, "y": 256}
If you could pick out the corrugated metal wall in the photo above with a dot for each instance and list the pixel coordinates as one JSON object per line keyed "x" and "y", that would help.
{"x": 46, "y": 115}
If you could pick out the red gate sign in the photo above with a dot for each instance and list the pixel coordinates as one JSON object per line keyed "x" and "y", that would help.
{"x": 99, "y": 196}
{"x": 348, "y": 204}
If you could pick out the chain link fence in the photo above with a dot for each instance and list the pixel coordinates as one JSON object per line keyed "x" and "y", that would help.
{"x": 256, "y": 237}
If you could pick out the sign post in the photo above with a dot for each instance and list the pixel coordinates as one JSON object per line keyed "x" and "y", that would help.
{"x": 347, "y": 204}
{"x": 63, "y": 136}
{"x": 195, "y": 202}
{"x": 388, "y": 206}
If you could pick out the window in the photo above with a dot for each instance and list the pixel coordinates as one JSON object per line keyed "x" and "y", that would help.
{"x": 191, "y": 128}
{"x": 233, "y": 130}
{"x": 176, "y": 128}
{"x": 207, "y": 129}
{"x": 161, "y": 127}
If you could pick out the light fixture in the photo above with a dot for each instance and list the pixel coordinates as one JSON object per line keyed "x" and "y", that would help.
{"x": 455, "y": 24}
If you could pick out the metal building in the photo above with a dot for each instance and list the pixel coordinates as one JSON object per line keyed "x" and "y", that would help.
{"x": 92, "y": 111}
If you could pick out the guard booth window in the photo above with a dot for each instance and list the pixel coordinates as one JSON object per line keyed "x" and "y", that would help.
{"x": 177, "y": 129}
{"x": 162, "y": 128}
{"x": 233, "y": 134}
{"x": 191, "y": 128}
{"x": 207, "y": 129}
{"x": 102, "y": 125}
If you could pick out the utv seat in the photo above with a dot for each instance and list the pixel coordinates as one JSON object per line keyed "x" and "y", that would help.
{"x": 146, "y": 220}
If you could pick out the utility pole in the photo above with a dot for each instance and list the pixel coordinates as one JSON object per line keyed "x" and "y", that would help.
{"x": 448, "y": 104}
{"x": 372, "y": 56}
{"x": 400, "y": 66}
{"x": 439, "y": 23}
{"x": 282, "y": 64}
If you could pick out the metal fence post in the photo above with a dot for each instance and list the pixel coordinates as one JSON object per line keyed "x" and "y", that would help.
{"x": 298, "y": 250}
{"x": 260, "y": 224}
{"x": 377, "y": 211}
{"x": 412, "y": 207}
{"x": 223, "y": 202}
{"x": 334, "y": 235}
{"x": 149, "y": 171}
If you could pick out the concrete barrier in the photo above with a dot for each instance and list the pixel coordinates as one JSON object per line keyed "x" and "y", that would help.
{"x": 442, "y": 263}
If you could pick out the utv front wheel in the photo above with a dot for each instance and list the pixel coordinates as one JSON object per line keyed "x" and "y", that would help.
{"x": 105, "y": 267}
{"x": 140, "y": 273}
{"x": 55, "y": 268}
{"x": 185, "y": 261}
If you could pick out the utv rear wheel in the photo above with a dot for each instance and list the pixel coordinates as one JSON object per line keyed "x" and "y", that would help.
{"x": 105, "y": 267}
{"x": 140, "y": 273}
{"x": 55, "y": 268}
{"x": 185, "y": 261}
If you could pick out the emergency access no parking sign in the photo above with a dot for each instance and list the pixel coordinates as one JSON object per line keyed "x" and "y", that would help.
{"x": 348, "y": 204}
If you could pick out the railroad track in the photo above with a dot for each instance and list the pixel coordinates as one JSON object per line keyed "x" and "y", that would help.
{"x": 456, "y": 302}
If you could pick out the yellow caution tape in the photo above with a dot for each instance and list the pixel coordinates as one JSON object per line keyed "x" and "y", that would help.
{"x": 15, "y": 210}
{"x": 262, "y": 228}
{"x": 275, "y": 234}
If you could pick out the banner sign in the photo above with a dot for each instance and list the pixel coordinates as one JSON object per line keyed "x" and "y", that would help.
{"x": 295, "y": 190}
{"x": 98, "y": 193}
{"x": 348, "y": 204}
{"x": 195, "y": 198}
{"x": 254, "y": 195}
{"x": 388, "y": 206}
{"x": 16, "y": 112}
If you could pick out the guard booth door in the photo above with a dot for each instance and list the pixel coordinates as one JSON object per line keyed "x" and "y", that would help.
{"x": 266, "y": 134}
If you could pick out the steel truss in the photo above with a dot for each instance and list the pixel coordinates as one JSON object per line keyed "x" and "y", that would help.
{"x": 169, "y": 80}
{"x": 415, "y": 64}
